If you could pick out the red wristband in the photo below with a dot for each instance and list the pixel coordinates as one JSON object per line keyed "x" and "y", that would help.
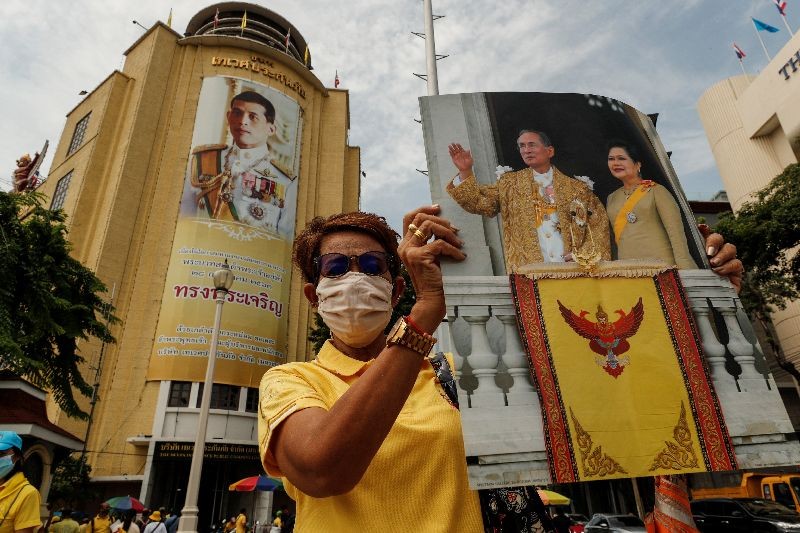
{"x": 414, "y": 326}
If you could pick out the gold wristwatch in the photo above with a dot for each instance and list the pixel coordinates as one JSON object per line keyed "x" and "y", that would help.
{"x": 404, "y": 334}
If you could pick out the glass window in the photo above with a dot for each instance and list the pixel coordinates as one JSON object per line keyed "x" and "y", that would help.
{"x": 60, "y": 193}
{"x": 179, "y": 394}
{"x": 78, "y": 134}
{"x": 699, "y": 507}
{"x": 222, "y": 397}
{"x": 251, "y": 406}
{"x": 783, "y": 494}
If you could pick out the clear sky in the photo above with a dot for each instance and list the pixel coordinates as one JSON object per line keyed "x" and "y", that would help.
{"x": 658, "y": 56}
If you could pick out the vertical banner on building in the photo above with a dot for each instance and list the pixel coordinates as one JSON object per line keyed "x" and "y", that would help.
{"x": 238, "y": 204}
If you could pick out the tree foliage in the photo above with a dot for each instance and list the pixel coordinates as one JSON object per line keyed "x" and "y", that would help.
{"x": 766, "y": 232}
{"x": 70, "y": 486}
{"x": 48, "y": 300}
{"x": 320, "y": 332}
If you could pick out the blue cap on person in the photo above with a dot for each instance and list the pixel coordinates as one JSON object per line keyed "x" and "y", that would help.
{"x": 9, "y": 439}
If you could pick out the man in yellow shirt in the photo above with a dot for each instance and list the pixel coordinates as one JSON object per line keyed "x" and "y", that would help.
{"x": 19, "y": 500}
{"x": 102, "y": 522}
{"x": 67, "y": 524}
{"x": 241, "y": 521}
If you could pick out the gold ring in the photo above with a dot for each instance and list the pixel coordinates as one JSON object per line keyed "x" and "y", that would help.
{"x": 421, "y": 235}
{"x": 412, "y": 228}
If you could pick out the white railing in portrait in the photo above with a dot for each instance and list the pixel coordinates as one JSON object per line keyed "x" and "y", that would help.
{"x": 500, "y": 407}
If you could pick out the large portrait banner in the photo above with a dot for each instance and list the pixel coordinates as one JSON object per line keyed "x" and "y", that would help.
{"x": 238, "y": 205}
{"x": 579, "y": 320}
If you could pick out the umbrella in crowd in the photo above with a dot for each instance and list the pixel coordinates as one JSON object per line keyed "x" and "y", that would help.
{"x": 261, "y": 482}
{"x": 124, "y": 503}
{"x": 550, "y": 497}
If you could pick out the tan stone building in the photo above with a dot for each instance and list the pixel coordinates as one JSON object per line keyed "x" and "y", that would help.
{"x": 118, "y": 171}
{"x": 753, "y": 126}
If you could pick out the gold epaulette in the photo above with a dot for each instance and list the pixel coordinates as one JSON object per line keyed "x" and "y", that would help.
{"x": 208, "y": 148}
{"x": 277, "y": 164}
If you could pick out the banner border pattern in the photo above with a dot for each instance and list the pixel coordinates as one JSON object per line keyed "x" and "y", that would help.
{"x": 715, "y": 442}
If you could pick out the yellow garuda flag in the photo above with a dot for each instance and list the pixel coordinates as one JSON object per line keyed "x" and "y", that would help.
{"x": 620, "y": 374}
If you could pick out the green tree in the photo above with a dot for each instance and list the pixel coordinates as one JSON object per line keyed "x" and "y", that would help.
{"x": 766, "y": 232}
{"x": 320, "y": 332}
{"x": 48, "y": 300}
{"x": 71, "y": 486}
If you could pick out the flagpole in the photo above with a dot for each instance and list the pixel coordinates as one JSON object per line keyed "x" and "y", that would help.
{"x": 741, "y": 64}
{"x": 430, "y": 50}
{"x": 761, "y": 41}
{"x": 785, "y": 23}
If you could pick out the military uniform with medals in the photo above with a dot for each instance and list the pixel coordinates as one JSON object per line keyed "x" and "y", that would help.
{"x": 244, "y": 185}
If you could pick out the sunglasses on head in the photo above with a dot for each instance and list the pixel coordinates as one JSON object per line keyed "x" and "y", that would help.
{"x": 335, "y": 265}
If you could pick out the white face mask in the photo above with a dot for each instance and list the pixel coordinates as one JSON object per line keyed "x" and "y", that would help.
{"x": 356, "y": 307}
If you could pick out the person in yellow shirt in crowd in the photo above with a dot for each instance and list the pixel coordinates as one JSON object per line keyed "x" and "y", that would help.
{"x": 68, "y": 522}
{"x": 102, "y": 522}
{"x": 241, "y": 521}
{"x": 19, "y": 500}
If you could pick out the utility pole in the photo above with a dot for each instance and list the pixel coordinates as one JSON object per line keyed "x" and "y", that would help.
{"x": 96, "y": 382}
{"x": 430, "y": 50}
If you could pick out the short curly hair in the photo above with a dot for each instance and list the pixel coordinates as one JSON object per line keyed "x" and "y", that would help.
{"x": 307, "y": 243}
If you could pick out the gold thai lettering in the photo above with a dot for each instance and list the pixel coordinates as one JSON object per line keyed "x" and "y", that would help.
{"x": 260, "y": 65}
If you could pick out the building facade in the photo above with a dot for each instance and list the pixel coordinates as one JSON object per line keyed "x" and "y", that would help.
{"x": 753, "y": 126}
{"x": 129, "y": 169}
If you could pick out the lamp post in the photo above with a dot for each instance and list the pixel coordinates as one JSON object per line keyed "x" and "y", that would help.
{"x": 223, "y": 279}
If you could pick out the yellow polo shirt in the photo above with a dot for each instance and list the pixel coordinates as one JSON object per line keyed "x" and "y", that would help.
{"x": 100, "y": 524}
{"x": 19, "y": 504}
{"x": 419, "y": 468}
{"x": 241, "y": 523}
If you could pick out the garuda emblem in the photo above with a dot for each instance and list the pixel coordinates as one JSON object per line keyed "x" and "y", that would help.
{"x": 607, "y": 338}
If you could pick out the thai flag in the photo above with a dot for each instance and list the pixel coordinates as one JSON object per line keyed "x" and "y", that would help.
{"x": 216, "y": 19}
{"x": 336, "y": 80}
{"x": 781, "y": 7}
{"x": 739, "y": 52}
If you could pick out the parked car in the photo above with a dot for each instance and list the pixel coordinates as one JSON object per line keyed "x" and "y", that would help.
{"x": 751, "y": 515}
{"x": 614, "y": 523}
{"x": 578, "y": 523}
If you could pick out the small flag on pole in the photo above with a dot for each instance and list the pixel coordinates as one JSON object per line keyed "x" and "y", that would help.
{"x": 336, "y": 80}
{"x": 169, "y": 18}
{"x": 216, "y": 19}
{"x": 740, "y": 55}
{"x": 244, "y": 22}
{"x": 288, "y": 36}
{"x": 763, "y": 26}
{"x": 781, "y": 5}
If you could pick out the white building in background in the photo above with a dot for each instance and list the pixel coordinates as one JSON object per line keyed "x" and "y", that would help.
{"x": 753, "y": 126}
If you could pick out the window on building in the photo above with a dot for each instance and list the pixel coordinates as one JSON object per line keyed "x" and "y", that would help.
{"x": 60, "y": 193}
{"x": 79, "y": 134}
{"x": 251, "y": 406}
{"x": 222, "y": 397}
{"x": 179, "y": 394}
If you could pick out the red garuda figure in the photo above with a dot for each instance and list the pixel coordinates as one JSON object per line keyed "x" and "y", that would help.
{"x": 606, "y": 338}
